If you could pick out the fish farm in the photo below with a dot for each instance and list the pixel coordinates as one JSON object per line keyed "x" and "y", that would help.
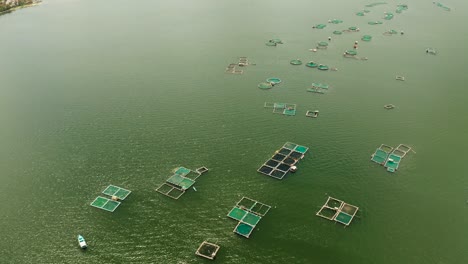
{"x": 283, "y": 160}
{"x": 248, "y": 212}
{"x": 116, "y": 193}
{"x": 182, "y": 179}
{"x": 337, "y": 210}
{"x": 282, "y": 108}
{"x": 207, "y": 250}
{"x": 390, "y": 157}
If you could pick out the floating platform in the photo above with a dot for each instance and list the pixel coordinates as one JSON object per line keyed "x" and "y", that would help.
{"x": 431, "y": 51}
{"x": 320, "y": 85}
{"x": 337, "y": 210}
{"x": 400, "y": 78}
{"x": 281, "y": 162}
{"x": 116, "y": 193}
{"x": 390, "y": 157}
{"x": 182, "y": 179}
{"x": 248, "y": 212}
{"x": 207, "y": 250}
{"x": 282, "y": 108}
{"x": 315, "y": 90}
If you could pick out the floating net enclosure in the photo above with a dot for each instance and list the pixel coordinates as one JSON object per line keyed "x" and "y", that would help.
{"x": 320, "y": 85}
{"x": 401, "y": 8}
{"x": 351, "y": 29}
{"x": 116, "y": 193}
{"x": 274, "y": 80}
{"x": 265, "y": 85}
{"x": 376, "y": 4}
{"x": 350, "y": 52}
{"x": 389, "y": 157}
{"x": 388, "y": 16}
{"x": 322, "y": 45}
{"x": 337, "y": 210}
{"x": 337, "y": 32}
{"x": 375, "y": 22}
{"x": 323, "y": 67}
{"x": 207, "y": 250}
{"x": 390, "y": 32}
{"x": 320, "y": 26}
{"x": 315, "y": 90}
{"x": 296, "y": 62}
{"x": 182, "y": 179}
{"x": 271, "y": 44}
{"x": 281, "y": 162}
{"x": 446, "y": 8}
{"x": 366, "y": 38}
{"x": 282, "y": 108}
{"x": 248, "y": 212}
{"x": 312, "y": 64}
{"x": 335, "y": 21}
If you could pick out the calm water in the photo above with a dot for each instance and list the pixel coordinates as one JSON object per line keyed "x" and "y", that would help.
{"x": 117, "y": 92}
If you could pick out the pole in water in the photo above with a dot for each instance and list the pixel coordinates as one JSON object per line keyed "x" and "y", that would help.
{"x": 193, "y": 187}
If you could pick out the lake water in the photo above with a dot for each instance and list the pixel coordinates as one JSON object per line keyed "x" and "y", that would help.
{"x": 121, "y": 92}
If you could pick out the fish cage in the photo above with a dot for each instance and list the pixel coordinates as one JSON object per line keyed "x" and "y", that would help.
{"x": 248, "y": 212}
{"x": 116, "y": 193}
{"x": 181, "y": 180}
{"x": 279, "y": 165}
{"x": 282, "y": 108}
{"x": 296, "y": 62}
{"x": 337, "y": 210}
{"x": 207, "y": 250}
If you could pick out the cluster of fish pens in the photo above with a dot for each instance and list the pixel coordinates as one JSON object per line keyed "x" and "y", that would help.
{"x": 390, "y": 157}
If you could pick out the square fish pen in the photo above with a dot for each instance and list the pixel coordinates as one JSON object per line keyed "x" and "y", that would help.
{"x": 337, "y": 210}
{"x": 207, "y": 250}
{"x": 182, "y": 179}
{"x": 390, "y": 157}
{"x": 248, "y": 212}
{"x": 282, "y": 108}
{"x": 116, "y": 193}
{"x": 281, "y": 162}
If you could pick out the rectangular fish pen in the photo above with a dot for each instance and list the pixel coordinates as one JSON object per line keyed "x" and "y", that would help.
{"x": 381, "y": 154}
{"x": 182, "y": 179}
{"x": 337, "y": 210}
{"x": 248, "y": 212}
{"x": 283, "y": 160}
{"x": 282, "y": 108}
{"x": 116, "y": 193}
{"x": 207, "y": 250}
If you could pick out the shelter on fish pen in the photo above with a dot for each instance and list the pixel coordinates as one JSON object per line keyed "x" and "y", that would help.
{"x": 337, "y": 210}
{"x": 446, "y": 8}
{"x": 282, "y": 108}
{"x": 322, "y": 45}
{"x": 248, "y": 212}
{"x": 207, "y": 250}
{"x": 283, "y": 160}
{"x": 296, "y": 62}
{"x": 366, "y": 38}
{"x": 181, "y": 180}
{"x": 312, "y": 64}
{"x": 116, "y": 193}
{"x": 319, "y": 26}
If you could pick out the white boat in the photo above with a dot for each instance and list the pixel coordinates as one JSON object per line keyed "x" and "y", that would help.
{"x": 82, "y": 242}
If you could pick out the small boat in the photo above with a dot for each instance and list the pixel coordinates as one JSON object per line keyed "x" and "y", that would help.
{"x": 82, "y": 242}
{"x": 315, "y": 113}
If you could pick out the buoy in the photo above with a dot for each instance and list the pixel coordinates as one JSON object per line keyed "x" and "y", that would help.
{"x": 293, "y": 169}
